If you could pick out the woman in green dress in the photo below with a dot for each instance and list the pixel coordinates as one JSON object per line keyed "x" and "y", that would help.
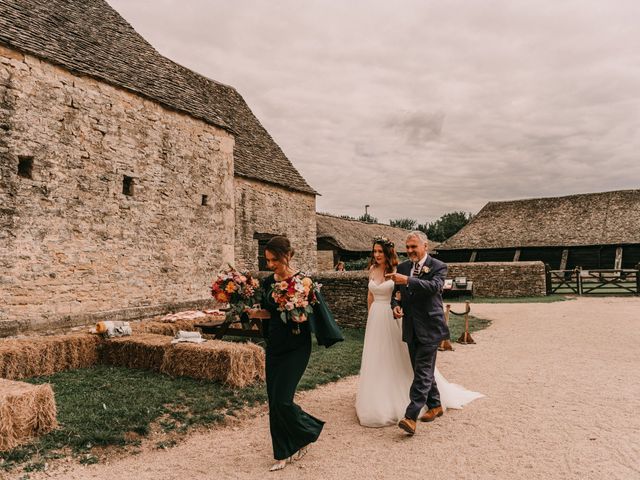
{"x": 287, "y": 355}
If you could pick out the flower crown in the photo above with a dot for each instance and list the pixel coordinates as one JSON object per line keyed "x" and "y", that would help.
{"x": 382, "y": 240}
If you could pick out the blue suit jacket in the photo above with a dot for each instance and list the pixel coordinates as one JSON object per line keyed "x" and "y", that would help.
{"x": 421, "y": 301}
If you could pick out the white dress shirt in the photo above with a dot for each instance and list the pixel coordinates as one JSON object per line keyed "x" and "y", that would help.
{"x": 421, "y": 263}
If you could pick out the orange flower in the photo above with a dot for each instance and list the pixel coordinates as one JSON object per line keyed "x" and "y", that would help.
{"x": 231, "y": 287}
{"x": 222, "y": 297}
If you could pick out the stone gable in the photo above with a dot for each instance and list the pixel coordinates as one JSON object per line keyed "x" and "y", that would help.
{"x": 101, "y": 195}
{"x": 263, "y": 210}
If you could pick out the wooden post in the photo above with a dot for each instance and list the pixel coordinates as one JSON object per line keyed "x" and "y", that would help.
{"x": 617, "y": 264}
{"x": 564, "y": 259}
{"x": 579, "y": 279}
{"x": 446, "y": 344}
{"x": 547, "y": 278}
{"x": 465, "y": 338}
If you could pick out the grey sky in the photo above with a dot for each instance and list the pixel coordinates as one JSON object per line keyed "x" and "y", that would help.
{"x": 418, "y": 108}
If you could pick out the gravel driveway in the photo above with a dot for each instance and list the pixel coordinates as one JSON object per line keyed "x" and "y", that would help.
{"x": 562, "y": 385}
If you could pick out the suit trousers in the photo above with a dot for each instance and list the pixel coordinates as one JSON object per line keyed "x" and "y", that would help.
{"x": 424, "y": 390}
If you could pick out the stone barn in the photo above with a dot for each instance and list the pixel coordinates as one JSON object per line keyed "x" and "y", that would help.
{"x": 591, "y": 231}
{"x": 343, "y": 239}
{"x": 126, "y": 180}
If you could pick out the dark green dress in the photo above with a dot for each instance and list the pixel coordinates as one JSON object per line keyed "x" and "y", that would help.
{"x": 287, "y": 356}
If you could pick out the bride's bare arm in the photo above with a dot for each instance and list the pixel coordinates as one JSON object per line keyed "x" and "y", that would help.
{"x": 369, "y": 300}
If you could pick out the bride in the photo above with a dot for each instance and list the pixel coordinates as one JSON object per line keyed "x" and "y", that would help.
{"x": 385, "y": 372}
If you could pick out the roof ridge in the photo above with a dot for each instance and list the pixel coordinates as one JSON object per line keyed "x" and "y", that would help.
{"x": 359, "y": 221}
{"x": 493, "y": 202}
{"x": 92, "y": 39}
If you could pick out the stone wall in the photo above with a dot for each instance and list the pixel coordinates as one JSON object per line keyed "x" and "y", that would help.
{"x": 325, "y": 261}
{"x": 346, "y": 292}
{"x": 72, "y": 244}
{"x": 503, "y": 279}
{"x": 264, "y": 209}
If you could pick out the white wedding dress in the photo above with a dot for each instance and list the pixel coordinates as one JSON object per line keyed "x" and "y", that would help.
{"x": 386, "y": 373}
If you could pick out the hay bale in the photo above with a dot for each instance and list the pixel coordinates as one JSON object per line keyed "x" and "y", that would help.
{"x": 165, "y": 328}
{"x": 38, "y": 356}
{"x": 26, "y": 411}
{"x": 232, "y": 363}
{"x": 145, "y": 350}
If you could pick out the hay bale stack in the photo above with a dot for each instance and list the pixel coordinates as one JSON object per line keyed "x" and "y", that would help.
{"x": 234, "y": 364}
{"x": 165, "y": 328}
{"x": 145, "y": 350}
{"x": 38, "y": 356}
{"x": 26, "y": 411}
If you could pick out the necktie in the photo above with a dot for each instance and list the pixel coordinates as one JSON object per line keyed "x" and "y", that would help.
{"x": 416, "y": 269}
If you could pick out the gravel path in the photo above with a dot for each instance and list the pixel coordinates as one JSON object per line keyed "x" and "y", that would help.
{"x": 563, "y": 402}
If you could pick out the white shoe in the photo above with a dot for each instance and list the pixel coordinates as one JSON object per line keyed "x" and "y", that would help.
{"x": 279, "y": 465}
{"x": 301, "y": 453}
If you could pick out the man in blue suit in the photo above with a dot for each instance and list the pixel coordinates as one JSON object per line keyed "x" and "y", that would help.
{"x": 419, "y": 283}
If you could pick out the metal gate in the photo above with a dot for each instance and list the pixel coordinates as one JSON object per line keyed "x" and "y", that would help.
{"x": 593, "y": 282}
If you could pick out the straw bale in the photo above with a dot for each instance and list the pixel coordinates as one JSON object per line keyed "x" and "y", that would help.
{"x": 232, "y": 363}
{"x": 38, "y": 356}
{"x": 26, "y": 411}
{"x": 145, "y": 350}
{"x": 165, "y": 328}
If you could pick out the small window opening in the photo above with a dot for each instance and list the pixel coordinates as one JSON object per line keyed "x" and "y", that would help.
{"x": 205, "y": 200}
{"x": 127, "y": 185}
{"x": 25, "y": 167}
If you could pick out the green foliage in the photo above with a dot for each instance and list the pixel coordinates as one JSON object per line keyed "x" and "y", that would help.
{"x": 446, "y": 226}
{"x": 406, "y": 223}
{"x": 363, "y": 263}
{"x": 544, "y": 299}
{"x": 367, "y": 217}
{"x": 360, "y": 264}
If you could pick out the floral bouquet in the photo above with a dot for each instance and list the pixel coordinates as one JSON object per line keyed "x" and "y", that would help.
{"x": 239, "y": 289}
{"x": 295, "y": 298}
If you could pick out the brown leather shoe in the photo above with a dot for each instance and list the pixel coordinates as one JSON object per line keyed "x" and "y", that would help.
{"x": 431, "y": 414}
{"x": 408, "y": 425}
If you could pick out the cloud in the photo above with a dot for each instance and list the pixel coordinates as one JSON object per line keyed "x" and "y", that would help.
{"x": 418, "y": 108}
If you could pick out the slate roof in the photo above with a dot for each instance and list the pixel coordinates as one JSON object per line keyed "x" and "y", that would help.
{"x": 88, "y": 37}
{"x": 356, "y": 236}
{"x": 607, "y": 218}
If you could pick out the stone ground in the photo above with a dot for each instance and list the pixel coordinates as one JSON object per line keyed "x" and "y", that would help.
{"x": 562, "y": 385}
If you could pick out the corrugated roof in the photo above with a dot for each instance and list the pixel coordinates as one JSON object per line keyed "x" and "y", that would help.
{"x": 607, "y": 218}
{"x": 88, "y": 37}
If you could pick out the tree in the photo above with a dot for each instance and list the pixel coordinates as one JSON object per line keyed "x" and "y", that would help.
{"x": 368, "y": 218}
{"x": 406, "y": 223}
{"x": 446, "y": 226}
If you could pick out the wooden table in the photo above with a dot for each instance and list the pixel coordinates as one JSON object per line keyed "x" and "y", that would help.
{"x": 221, "y": 328}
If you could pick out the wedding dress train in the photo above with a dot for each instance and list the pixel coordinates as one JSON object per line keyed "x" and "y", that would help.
{"x": 386, "y": 373}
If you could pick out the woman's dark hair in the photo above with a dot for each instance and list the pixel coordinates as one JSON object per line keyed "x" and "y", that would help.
{"x": 280, "y": 247}
{"x": 389, "y": 255}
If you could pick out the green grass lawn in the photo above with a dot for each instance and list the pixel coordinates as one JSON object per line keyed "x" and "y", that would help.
{"x": 545, "y": 299}
{"x": 110, "y": 406}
